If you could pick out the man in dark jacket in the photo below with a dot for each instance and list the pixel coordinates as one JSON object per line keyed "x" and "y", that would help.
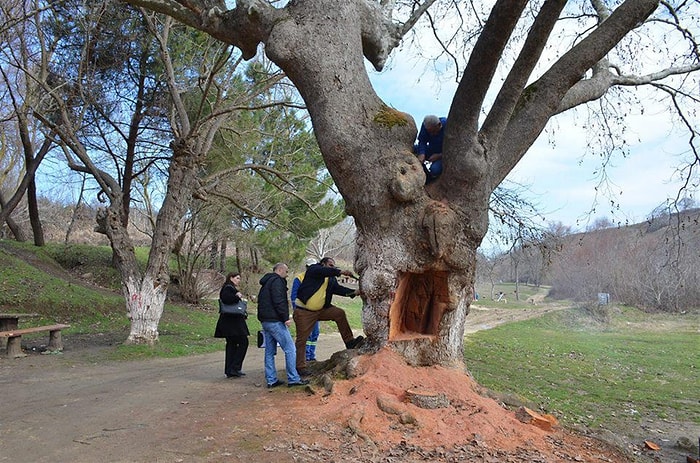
{"x": 273, "y": 313}
{"x": 314, "y": 303}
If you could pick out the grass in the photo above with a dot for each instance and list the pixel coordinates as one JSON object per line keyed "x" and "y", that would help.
{"x": 182, "y": 331}
{"x": 187, "y": 331}
{"x": 593, "y": 374}
{"x": 25, "y": 288}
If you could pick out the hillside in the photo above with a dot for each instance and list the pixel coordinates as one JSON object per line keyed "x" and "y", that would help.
{"x": 654, "y": 265}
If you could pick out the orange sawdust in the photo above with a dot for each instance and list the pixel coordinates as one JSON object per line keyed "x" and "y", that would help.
{"x": 469, "y": 419}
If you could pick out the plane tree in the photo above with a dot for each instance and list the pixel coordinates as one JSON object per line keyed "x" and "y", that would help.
{"x": 416, "y": 244}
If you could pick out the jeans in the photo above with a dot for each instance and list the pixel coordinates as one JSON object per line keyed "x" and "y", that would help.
{"x": 278, "y": 331}
{"x": 435, "y": 169}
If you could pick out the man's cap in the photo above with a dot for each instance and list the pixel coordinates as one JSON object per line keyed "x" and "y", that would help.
{"x": 310, "y": 262}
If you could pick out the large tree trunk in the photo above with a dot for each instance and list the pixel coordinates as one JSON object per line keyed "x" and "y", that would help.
{"x": 34, "y": 219}
{"x": 416, "y": 255}
{"x": 16, "y": 230}
{"x": 145, "y": 293}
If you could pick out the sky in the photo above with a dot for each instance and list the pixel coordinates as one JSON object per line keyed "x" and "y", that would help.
{"x": 559, "y": 171}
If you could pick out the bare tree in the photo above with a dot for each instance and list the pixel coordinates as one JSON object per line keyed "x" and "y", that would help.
{"x": 21, "y": 94}
{"x": 337, "y": 241}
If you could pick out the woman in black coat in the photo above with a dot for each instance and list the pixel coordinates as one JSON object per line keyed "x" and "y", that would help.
{"x": 232, "y": 327}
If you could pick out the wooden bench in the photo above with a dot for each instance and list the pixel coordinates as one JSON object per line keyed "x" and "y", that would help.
{"x": 14, "y": 338}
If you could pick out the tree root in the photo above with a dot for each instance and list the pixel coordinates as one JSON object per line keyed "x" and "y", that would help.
{"x": 356, "y": 428}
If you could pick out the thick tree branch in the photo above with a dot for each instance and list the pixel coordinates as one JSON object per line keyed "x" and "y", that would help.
{"x": 505, "y": 102}
{"x": 482, "y": 64}
{"x": 541, "y": 100}
{"x": 245, "y": 26}
{"x": 379, "y": 35}
{"x": 415, "y": 16}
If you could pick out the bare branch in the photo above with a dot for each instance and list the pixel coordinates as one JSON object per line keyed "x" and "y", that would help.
{"x": 530, "y": 54}
{"x": 415, "y": 16}
{"x": 542, "y": 99}
{"x": 484, "y": 60}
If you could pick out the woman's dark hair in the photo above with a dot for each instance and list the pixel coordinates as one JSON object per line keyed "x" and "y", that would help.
{"x": 325, "y": 260}
{"x": 231, "y": 275}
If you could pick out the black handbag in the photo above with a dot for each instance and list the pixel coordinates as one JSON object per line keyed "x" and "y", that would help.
{"x": 239, "y": 308}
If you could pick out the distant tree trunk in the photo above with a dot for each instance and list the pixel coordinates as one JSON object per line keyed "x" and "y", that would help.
{"x": 31, "y": 165}
{"x": 33, "y": 208}
{"x": 16, "y": 230}
{"x": 516, "y": 271}
{"x": 213, "y": 254}
{"x": 222, "y": 255}
{"x": 253, "y": 257}
{"x": 76, "y": 210}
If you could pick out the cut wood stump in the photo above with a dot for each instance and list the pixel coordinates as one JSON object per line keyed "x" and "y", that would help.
{"x": 427, "y": 399}
{"x": 544, "y": 422}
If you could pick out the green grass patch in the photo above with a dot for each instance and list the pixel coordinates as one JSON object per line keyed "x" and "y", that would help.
{"x": 182, "y": 331}
{"x": 26, "y": 289}
{"x": 588, "y": 373}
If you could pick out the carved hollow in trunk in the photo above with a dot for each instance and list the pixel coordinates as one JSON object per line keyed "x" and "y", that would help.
{"x": 420, "y": 301}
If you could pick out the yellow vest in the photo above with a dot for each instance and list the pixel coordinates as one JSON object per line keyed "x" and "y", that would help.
{"x": 317, "y": 299}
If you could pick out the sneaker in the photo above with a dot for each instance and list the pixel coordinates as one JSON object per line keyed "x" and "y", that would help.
{"x": 275, "y": 384}
{"x": 301, "y": 382}
{"x": 355, "y": 343}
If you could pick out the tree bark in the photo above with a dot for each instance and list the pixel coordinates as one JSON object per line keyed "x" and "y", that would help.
{"x": 34, "y": 219}
{"x": 416, "y": 255}
{"x": 16, "y": 230}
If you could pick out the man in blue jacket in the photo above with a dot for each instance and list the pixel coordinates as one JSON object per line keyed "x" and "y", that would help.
{"x": 273, "y": 313}
{"x": 314, "y": 303}
{"x": 429, "y": 146}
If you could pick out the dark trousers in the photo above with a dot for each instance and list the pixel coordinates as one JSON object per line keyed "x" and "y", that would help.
{"x": 305, "y": 321}
{"x": 236, "y": 348}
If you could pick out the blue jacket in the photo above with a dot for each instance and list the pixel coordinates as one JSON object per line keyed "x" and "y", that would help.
{"x": 295, "y": 289}
{"x": 429, "y": 144}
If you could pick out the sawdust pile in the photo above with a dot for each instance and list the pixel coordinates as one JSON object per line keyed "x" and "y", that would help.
{"x": 369, "y": 418}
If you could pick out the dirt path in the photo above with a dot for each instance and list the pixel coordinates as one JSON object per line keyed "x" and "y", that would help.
{"x": 484, "y": 317}
{"x": 66, "y": 408}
